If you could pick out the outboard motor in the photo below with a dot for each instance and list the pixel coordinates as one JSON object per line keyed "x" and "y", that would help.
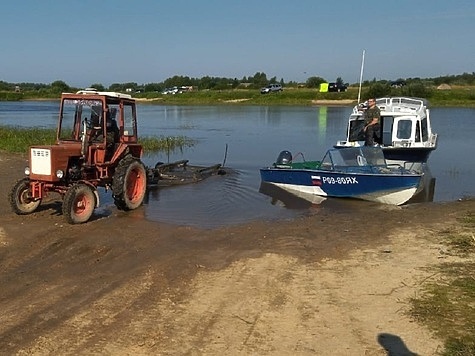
{"x": 284, "y": 158}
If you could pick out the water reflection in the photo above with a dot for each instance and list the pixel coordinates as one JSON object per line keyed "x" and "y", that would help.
{"x": 308, "y": 204}
{"x": 297, "y": 200}
{"x": 322, "y": 122}
{"x": 426, "y": 194}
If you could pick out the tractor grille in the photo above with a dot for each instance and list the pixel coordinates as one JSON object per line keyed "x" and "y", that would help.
{"x": 40, "y": 161}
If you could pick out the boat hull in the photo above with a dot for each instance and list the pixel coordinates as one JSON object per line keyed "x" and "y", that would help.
{"x": 406, "y": 154}
{"x": 393, "y": 189}
{"x": 394, "y": 154}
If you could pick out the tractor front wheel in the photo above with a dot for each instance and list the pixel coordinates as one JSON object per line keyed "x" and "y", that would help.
{"x": 79, "y": 203}
{"x": 129, "y": 184}
{"x": 20, "y": 198}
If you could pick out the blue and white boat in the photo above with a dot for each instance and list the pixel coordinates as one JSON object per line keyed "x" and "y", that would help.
{"x": 353, "y": 172}
{"x": 405, "y": 129}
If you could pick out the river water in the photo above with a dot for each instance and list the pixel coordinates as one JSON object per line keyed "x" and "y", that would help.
{"x": 246, "y": 138}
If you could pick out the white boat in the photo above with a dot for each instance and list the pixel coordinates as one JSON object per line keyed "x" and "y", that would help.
{"x": 406, "y": 133}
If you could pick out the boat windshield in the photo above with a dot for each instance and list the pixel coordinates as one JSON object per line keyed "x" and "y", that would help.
{"x": 354, "y": 157}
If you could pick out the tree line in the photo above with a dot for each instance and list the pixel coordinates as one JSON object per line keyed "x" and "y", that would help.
{"x": 256, "y": 81}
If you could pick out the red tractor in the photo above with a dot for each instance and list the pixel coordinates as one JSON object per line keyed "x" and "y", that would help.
{"x": 96, "y": 146}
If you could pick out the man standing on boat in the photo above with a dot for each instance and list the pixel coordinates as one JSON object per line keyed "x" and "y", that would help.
{"x": 371, "y": 124}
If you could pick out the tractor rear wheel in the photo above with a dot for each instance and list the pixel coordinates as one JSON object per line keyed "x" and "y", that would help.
{"x": 20, "y": 198}
{"x": 129, "y": 184}
{"x": 79, "y": 203}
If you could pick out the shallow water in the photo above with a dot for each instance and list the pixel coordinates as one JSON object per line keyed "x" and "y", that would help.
{"x": 253, "y": 136}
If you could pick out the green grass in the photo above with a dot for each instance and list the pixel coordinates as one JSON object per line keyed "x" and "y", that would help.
{"x": 10, "y": 96}
{"x": 461, "y": 241}
{"x": 18, "y": 140}
{"x": 447, "y": 306}
{"x": 165, "y": 144}
{"x": 15, "y": 139}
{"x": 456, "y": 97}
{"x": 289, "y": 96}
{"x": 462, "y": 96}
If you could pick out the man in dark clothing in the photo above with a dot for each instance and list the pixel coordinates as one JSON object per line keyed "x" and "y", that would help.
{"x": 371, "y": 127}
{"x": 112, "y": 136}
{"x": 112, "y": 128}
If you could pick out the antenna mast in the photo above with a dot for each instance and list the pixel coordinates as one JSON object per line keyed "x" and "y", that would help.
{"x": 361, "y": 77}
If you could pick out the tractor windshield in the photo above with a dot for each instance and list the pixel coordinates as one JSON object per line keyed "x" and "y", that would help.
{"x": 74, "y": 113}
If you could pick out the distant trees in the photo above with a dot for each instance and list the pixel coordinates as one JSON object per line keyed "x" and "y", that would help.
{"x": 30, "y": 86}
{"x": 462, "y": 79}
{"x": 413, "y": 87}
{"x": 151, "y": 87}
{"x": 60, "y": 87}
{"x": 378, "y": 90}
{"x": 260, "y": 80}
{"x": 339, "y": 82}
{"x": 416, "y": 88}
{"x": 177, "y": 81}
{"x": 4, "y": 86}
{"x": 122, "y": 87}
{"x": 314, "y": 82}
{"x": 98, "y": 86}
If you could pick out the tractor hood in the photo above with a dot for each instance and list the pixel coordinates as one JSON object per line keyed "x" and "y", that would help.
{"x": 46, "y": 161}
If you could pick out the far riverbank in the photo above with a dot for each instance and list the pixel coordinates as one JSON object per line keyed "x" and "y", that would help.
{"x": 455, "y": 97}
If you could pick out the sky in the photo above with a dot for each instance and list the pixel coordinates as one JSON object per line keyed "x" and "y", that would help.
{"x": 147, "y": 41}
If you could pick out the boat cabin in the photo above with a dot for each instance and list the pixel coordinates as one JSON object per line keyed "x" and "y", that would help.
{"x": 405, "y": 123}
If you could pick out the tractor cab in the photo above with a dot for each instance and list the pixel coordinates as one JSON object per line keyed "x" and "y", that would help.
{"x": 99, "y": 121}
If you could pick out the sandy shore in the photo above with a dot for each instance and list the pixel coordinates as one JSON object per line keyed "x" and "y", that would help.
{"x": 321, "y": 285}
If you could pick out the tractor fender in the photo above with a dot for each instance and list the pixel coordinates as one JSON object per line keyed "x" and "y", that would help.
{"x": 94, "y": 190}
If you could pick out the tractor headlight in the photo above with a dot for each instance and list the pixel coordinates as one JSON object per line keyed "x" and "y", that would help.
{"x": 59, "y": 173}
{"x": 27, "y": 171}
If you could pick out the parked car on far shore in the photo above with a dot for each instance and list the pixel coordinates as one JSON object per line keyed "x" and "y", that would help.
{"x": 177, "y": 90}
{"x": 337, "y": 87}
{"x": 271, "y": 88}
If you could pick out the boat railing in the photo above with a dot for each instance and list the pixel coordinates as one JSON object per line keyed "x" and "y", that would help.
{"x": 401, "y": 102}
{"x": 395, "y": 104}
{"x": 359, "y": 109}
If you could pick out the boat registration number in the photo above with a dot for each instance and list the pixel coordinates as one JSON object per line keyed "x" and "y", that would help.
{"x": 340, "y": 180}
